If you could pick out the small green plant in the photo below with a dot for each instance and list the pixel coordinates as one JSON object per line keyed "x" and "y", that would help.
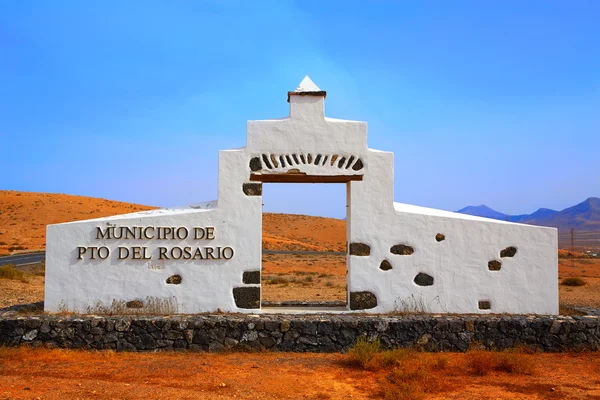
{"x": 573, "y": 282}
{"x": 363, "y": 352}
{"x": 8, "y": 271}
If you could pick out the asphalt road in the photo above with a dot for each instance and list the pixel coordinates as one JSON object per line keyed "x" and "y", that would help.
{"x": 23, "y": 259}
{"x": 34, "y": 258}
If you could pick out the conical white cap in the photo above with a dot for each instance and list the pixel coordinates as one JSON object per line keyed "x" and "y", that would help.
{"x": 307, "y": 85}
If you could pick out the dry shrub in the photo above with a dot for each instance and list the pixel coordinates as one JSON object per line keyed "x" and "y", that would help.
{"x": 481, "y": 362}
{"x": 363, "y": 352}
{"x": 439, "y": 362}
{"x": 572, "y": 282}
{"x": 9, "y": 272}
{"x": 149, "y": 306}
{"x": 514, "y": 363}
{"x": 278, "y": 280}
{"x": 392, "y": 357}
{"x": 412, "y": 381}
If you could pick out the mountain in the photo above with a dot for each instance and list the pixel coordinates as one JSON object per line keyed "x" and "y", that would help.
{"x": 584, "y": 216}
{"x": 482, "y": 211}
{"x": 541, "y": 213}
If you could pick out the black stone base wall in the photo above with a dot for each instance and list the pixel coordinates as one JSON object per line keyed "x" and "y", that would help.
{"x": 306, "y": 333}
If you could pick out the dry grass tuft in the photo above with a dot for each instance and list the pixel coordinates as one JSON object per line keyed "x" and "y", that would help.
{"x": 513, "y": 363}
{"x": 415, "y": 379}
{"x": 481, "y": 363}
{"x": 9, "y": 272}
{"x": 363, "y": 353}
{"x": 572, "y": 282}
{"x": 149, "y": 306}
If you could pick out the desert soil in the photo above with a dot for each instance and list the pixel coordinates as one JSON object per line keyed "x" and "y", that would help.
{"x": 58, "y": 374}
{"x": 24, "y": 216}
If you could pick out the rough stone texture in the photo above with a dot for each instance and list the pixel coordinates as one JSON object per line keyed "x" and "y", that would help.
{"x": 508, "y": 252}
{"x": 359, "y": 249}
{"x": 358, "y": 165}
{"x": 362, "y": 300}
{"x": 402, "y": 249}
{"x": 266, "y": 160}
{"x": 134, "y": 304}
{"x": 247, "y": 297}
{"x": 439, "y": 237}
{"x": 251, "y": 277}
{"x": 255, "y": 164}
{"x": 484, "y": 305}
{"x": 385, "y": 265}
{"x": 301, "y": 333}
{"x": 252, "y": 189}
{"x": 494, "y": 265}
{"x": 423, "y": 279}
{"x": 174, "y": 280}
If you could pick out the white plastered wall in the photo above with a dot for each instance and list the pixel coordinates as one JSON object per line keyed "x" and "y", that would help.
{"x": 526, "y": 283}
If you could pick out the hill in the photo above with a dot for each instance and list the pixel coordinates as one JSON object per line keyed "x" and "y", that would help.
{"x": 584, "y": 216}
{"x": 24, "y": 216}
{"x": 482, "y": 211}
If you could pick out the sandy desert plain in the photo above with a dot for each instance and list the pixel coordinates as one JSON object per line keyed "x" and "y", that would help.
{"x": 55, "y": 374}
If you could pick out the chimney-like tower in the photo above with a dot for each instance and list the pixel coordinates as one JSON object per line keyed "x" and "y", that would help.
{"x": 307, "y": 101}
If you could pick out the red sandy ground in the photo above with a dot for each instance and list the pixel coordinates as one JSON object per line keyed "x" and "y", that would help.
{"x": 59, "y": 374}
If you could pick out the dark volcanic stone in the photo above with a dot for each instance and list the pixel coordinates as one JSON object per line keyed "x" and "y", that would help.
{"x": 174, "y": 280}
{"x": 247, "y": 297}
{"x": 508, "y": 252}
{"x": 494, "y": 265}
{"x": 358, "y": 165}
{"x": 134, "y": 304}
{"x": 484, "y": 305}
{"x": 439, "y": 237}
{"x": 385, "y": 265}
{"x": 402, "y": 249}
{"x": 359, "y": 249}
{"x": 423, "y": 279}
{"x": 255, "y": 164}
{"x": 251, "y": 277}
{"x": 252, "y": 189}
{"x": 362, "y": 300}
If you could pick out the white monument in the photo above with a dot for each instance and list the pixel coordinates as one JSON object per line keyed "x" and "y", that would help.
{"x": 208, "y": 258}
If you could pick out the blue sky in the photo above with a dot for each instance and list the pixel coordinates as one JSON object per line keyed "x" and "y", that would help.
{"x": 494, "y": 102}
